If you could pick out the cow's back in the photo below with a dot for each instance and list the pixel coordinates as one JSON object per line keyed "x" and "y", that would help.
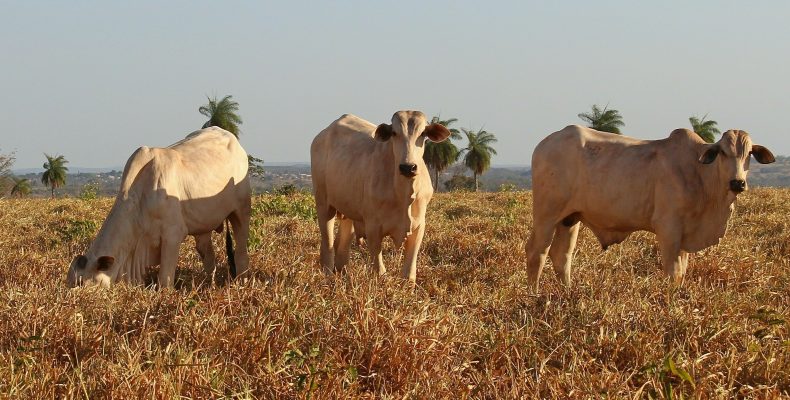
{"x": 607, "y": 178}
{"x": 206, "y": 174}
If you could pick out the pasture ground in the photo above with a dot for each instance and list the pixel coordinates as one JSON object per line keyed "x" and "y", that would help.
{"x": 470, "y": 329}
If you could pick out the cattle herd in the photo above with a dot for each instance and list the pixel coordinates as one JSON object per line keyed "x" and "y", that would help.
{"x": 373, "y": 180}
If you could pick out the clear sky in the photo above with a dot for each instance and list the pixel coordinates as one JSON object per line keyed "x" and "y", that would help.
{"x": 95, "y": 80}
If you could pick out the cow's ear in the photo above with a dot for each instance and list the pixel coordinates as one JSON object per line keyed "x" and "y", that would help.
{"x": 762, "y": 154}
{"x": 436, "y": 133}
{"x": 709, "y": 155}
{"x": 105, "y": 262}
{"x": 80, "y": 261}
{"x": 383, "y": 132}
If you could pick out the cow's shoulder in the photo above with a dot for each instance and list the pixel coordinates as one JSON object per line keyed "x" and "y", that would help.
{"x": 211, "y": 136}
{"x": 351, "y": 124}
{"x": 683, "y": 136}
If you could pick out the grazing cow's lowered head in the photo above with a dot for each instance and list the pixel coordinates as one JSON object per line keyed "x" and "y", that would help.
{"x": 91, "y": 271}
{"x": 406, "y": 136}
{"x": 731, "y": 156}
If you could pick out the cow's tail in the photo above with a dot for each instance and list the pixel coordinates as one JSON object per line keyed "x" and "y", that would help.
{"x": 229, "y": 250}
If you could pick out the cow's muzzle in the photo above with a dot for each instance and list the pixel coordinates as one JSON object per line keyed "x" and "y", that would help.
{"x": 737, "y": 185}
{"x": 408, "y": 170}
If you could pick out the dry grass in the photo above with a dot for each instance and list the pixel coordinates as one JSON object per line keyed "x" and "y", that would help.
{"x": 470, "y": 328}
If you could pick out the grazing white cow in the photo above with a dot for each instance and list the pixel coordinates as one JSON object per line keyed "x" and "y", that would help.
{"x": 189, "y": 188}
{"x": 680, "y": 188}
{"x": 373, "y": 178}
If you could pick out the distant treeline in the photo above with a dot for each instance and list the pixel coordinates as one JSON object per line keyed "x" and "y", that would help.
{"x": 298, "y": 175}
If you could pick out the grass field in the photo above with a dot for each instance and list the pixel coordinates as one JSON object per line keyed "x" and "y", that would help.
{"x": 470, "y": 329}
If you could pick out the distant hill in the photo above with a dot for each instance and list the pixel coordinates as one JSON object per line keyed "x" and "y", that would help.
{"x": 776, "y": 174}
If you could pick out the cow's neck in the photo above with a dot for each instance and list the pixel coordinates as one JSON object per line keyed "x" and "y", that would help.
{"x": 715, "y": 208}
{"x": 404, "y": 191}
{"x": 119, "y": 235}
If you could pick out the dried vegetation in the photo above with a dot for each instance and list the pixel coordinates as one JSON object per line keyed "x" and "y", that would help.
{"x": 470, "y": 329}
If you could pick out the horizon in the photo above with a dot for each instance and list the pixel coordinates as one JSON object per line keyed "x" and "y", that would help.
{"x": 294, "y": 68}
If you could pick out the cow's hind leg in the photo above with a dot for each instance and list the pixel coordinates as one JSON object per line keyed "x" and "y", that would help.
{"x": 345, "y": 232}
{"x": 326, "y": 223}
{"x": 537, "y": 250}
{"x": 205, "y": 249}
{"x": 240, "y": 221}
{"x": 561, "y": 250}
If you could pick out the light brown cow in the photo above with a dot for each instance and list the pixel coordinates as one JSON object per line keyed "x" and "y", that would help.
{"x": 189, "y": 188}
{"x": 373, "y": 177}
{"x": 680, "y": 188}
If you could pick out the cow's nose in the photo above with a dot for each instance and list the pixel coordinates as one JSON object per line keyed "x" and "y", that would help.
{"x": 737, "y": 185}
{"x": 408, "y": 170}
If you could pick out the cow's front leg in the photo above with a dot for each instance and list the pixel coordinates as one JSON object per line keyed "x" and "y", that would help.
{"x": 171, "y": 241}
{"x": 561, "y": 250}
{"x": 684, "y": 262}
{"x": 671, "y": 259}
{"x": 413, "y": 243}
{"x": 205, "y": 249}
{"x": 374, "y": 247}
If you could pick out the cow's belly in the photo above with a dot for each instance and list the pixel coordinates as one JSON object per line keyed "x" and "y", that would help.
{"x": 613, "y": 228}
{"x": 205, "y": 215}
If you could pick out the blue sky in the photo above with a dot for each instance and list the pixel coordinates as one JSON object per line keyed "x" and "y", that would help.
{"x": 95, "y": 80}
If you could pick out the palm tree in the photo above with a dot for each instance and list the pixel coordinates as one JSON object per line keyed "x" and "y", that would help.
{"x": 477, "y": 155}
{"x": 222, "y": 113}
{"x": 604, "y": 120}
{"x": 54, "y": 172}
{"x": 21, "y": 187}
{"x": 439, "y": 156}
{"x": 707, "y": 130}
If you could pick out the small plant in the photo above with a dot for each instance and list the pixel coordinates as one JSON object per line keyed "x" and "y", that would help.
{"x": 294, "y": 205}
{"x": 89, "y": 191}
{"x": 76, "y": 229}
{"x": 671, "y": 376}
{"x": 288, "y": 189}
{"x": 507, "y": 187}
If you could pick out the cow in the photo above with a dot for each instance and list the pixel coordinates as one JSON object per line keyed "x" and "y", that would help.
{"x": 373, "y": 178}
{"x": 189, "y": 188}
{"x": 680, "y": 188}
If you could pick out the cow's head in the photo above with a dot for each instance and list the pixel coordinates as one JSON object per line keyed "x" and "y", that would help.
{"x": 731, "y": 156}
{"x": 406, "y": 136}
{"x": 90, "y": 271}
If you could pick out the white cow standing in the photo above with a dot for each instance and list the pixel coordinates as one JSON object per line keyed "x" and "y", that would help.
{"x": 373, "y": 177}
{"x": 680, "y": 188}
{"x": 189, "y": 188}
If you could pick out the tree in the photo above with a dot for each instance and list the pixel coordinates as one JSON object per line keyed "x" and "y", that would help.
{"x": 707, "y": 130}
{"x": 255, "y": 166}
{"x": 21, "y": 187}
{"x": 477, "y": 154}
{"x": 222, "y": 113}
{"x": 604, "y": 120}
{"x": 459, "y": 182}
{"x": 54, "y": 172}
{"x": 6, "y": 161}
{"x": 439, "y": 156}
